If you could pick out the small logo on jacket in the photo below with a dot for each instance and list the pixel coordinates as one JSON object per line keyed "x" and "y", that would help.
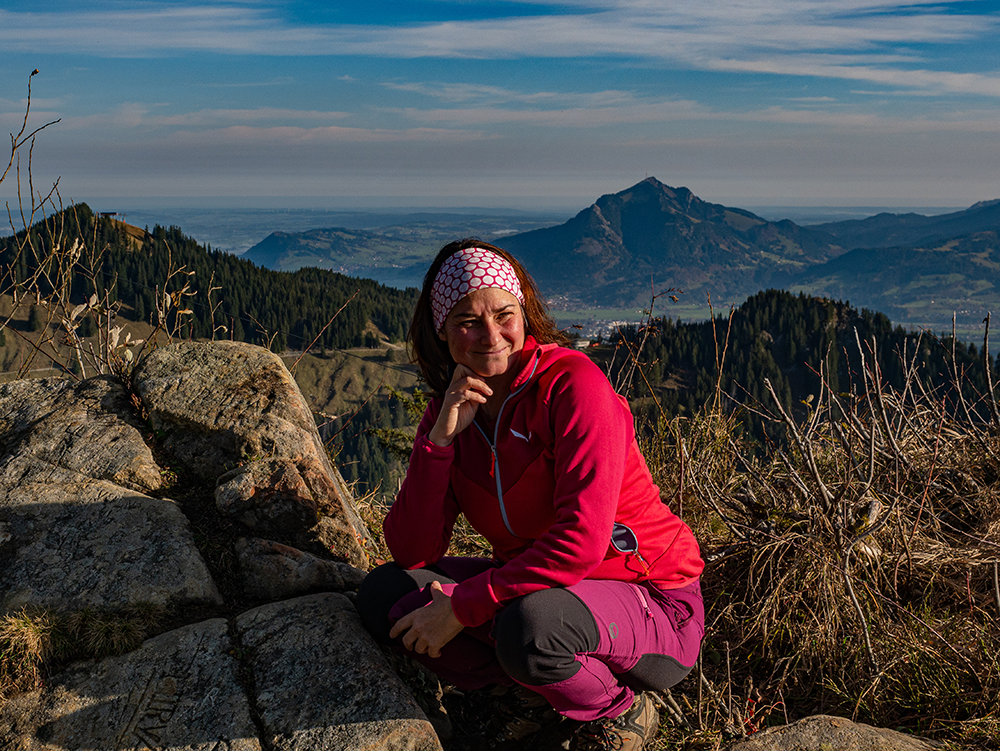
{"x": 526, "y": 439}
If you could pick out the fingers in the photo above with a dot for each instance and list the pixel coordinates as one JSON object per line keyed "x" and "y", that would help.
{"x": 461, "y": 402}
{"x": 410, "y": 636}
{"x": 427, "y": 629}
{"x": 465, "y": 383}
{"x": 403, "y": 624}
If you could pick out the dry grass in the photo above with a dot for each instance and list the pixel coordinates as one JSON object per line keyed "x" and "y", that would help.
{"x": 102, "y": 633}
{"x": 854, "y": 572}
{"x": 27, "y": 640}
{"x": 34, "y": 641}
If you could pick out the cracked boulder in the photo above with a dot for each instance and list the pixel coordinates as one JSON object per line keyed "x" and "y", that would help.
{"x": 76, "y": 528}
{"x": 180, "y": 691}
{"x": 222, "y": 407}
{"x": 272, "y": 571}
{"x": 322, "y": 683}
{"x": 90, "y": 427}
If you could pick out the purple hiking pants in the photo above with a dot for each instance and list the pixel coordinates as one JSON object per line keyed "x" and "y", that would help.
{"x": 586, "y": 648}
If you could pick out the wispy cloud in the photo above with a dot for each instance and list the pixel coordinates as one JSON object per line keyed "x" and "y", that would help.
{"x": 293, "y": 136}
{"x": 926, "y": 80}
{"x": 592, "y": 116}
{"x": 214, "y": 117}
{"x": 498, "y": 95}
{"x": 131, "y": 115}
{"x": 612, "y": 108}
{"x": 874, "y": 40}
{"x": 465, "y": 92}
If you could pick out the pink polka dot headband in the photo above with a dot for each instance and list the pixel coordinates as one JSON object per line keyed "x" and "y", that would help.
{"x": 464, "y": 272}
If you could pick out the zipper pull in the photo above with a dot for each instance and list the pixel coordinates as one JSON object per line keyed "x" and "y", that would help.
{"x": 493, "y": 461}
{"x": 642, "y": 562}
{"x": 645, "y": 604}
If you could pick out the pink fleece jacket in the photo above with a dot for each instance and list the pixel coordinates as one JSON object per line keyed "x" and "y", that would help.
{"x": 545, "y": 485}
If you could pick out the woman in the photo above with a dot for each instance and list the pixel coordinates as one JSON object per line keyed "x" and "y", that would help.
{"x": 592, "y": 595}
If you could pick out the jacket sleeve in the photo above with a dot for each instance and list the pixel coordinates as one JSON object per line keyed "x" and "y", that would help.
{"x": 418, "y": 527}
{"x": 592, "y": 432}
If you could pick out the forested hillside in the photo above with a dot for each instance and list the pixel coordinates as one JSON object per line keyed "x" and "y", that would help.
{"x": 788, "y": 340}
{"x": 775, "y": 336}
{"x": 255, "y": 303}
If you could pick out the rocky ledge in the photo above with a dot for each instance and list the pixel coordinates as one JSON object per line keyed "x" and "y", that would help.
{"x": 87, "y": 524}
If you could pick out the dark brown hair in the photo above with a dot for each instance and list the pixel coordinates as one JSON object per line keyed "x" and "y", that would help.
{"x": 431, "y": 354}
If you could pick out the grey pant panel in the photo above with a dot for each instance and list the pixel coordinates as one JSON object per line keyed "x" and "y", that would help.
{"x": 538, "y": 636}
{"x": 654, "y": 673}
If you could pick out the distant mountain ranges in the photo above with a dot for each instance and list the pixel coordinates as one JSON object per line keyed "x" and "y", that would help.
{"x": 914, "y": 268}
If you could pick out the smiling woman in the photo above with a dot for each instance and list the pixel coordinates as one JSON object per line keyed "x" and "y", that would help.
{"x": 430, "y": 344}
{"x": 592, "y": 595}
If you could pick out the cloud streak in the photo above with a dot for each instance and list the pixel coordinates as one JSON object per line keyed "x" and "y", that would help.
{"x": 292, "y": 136}
{"x": 871, "y": 41}
{"x": 817, "y": 114}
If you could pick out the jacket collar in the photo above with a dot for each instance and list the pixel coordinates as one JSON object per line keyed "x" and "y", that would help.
{"x": 531, "y": 358}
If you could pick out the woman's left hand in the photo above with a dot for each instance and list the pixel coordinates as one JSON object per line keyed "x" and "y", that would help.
{"x": 426, "y": 630}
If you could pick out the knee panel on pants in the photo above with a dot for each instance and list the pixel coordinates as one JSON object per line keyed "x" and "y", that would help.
{"x": 655, "y": 673}
{"x": 539, "y": 635}
{"x": 380, "y": 590}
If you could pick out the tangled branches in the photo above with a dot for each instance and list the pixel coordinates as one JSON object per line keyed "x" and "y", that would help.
{"x": 859, "y": 561}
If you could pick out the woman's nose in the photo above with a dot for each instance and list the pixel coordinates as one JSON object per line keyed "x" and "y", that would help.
{"x": 491, "y": 332}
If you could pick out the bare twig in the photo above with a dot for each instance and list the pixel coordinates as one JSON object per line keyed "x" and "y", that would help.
{"x": 988, "y": 369}
{"x": 17, "y": 141}
{"x": 328, "y": 323}
{"x": 805, "y": 448}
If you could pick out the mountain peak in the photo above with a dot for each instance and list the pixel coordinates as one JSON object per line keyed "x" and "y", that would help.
{"x": 654, "y": 233}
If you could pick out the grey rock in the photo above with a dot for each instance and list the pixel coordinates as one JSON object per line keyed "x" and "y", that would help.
{"x": 322, "y": 683}
{"x": 180, "y": 691}
{"x": 89, "y": 427}
{"x": 68, "y": 541}
{"x": 268, "y": 495}
{"x": 220, "y": 405}
{"x": 24, "y": 402}
{"x": 272, "y": 571}
{"x": 827, "y": 733}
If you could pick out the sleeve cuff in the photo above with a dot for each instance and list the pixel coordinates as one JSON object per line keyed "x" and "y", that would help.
{"x": 425, "y": 445}
{"x": 473, "y": 601}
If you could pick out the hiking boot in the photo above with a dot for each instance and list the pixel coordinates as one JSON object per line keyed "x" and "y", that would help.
{"x": 521, "y": 713}
{"x": 628, "y": 732}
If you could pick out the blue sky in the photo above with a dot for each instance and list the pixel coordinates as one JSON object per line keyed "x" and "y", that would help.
{"x": 750, "y": 102}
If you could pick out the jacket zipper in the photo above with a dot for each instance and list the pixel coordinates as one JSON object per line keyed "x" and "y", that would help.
{"x": 494, "y": 460}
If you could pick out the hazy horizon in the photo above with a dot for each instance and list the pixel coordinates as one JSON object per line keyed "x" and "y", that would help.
{"x": 219, "y": 226}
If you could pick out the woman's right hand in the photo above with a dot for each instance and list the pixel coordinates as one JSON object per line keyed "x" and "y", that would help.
{"x": 461, "y": 402}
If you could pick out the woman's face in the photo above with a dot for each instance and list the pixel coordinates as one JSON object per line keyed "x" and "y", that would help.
{"x": 485, "y": 332}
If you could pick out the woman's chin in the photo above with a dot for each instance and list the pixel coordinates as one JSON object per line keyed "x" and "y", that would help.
{"x": 491, "y": 368}
{"x": 487, "y": 372}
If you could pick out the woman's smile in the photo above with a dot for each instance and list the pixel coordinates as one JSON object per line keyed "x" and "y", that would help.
{"x": 485, "y": 332}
